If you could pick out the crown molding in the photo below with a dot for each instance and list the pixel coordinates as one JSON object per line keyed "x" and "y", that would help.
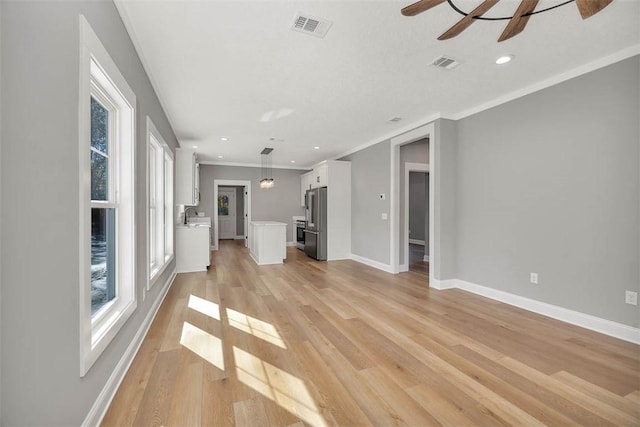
{"x": 253, "y": 165}
{"x": 551, "y": 81}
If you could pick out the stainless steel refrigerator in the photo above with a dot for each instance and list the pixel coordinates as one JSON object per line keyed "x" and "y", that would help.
{"x": 315, "y": 235}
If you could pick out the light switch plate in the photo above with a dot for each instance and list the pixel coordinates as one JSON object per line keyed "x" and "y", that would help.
{"x": 384, "y": 216}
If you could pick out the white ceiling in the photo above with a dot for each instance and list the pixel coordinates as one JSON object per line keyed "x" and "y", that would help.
{"x": 234, "y": 69}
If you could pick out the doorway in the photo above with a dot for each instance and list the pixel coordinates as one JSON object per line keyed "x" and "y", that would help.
{"x": 426, "y": 131}
{"x": 219, "y": 187}
{"x": 227, "y": 212}
{"x": 415, "y": 201}
{"x": 417, "y": 222}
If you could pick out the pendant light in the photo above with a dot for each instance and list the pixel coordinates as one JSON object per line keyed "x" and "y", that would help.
{"x": 267, "y": 172}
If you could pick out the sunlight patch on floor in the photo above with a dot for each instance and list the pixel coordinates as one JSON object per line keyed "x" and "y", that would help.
{"x": 255, "y": 327}
{"x": 287, "y": 390}
{"x": 203, "y": 344}
{"x": 205, "y": 307}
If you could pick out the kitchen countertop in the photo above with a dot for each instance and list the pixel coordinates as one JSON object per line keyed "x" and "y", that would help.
{"x": 193, "y": 225}
{"x": 196, "y": 222}
{"x": 267, "y": 223}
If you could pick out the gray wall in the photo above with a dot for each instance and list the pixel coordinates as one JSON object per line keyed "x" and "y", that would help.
{"x": 549, "y": 183}
{"x": 370, "y": 171}
{"x": 445, "y": 199}
{"x": 414, "y": 152}
{"x": 41, "y": 384}
{"x": 279, "y": 203}
{"x": 0, "y": 211}
{"x": 417, "y": 205}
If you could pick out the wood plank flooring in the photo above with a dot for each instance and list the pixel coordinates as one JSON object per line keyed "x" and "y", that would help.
{"x": 416, "y": 260}
{"x": 340, "y": 343}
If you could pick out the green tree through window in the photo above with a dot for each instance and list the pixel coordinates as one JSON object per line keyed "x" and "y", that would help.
{"x": 100, "y": 151}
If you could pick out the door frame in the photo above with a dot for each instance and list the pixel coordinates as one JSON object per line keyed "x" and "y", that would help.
{"x": 411, "y": 167}
{"x": 247, "y": 206}
{"x": 426, "y": 131}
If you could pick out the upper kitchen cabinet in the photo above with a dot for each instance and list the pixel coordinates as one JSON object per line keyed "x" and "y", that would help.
{"x": 320, "y": 174}
{"x": 187, "y": 178}
{"x": 305, "y": 184}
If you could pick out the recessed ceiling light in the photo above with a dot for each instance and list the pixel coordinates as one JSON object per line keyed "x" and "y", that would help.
{"x": 504, "y": 59}
{"x": 194, "y": 146}
{"x": 220, "y": 157}
{"x": 316, "y": 148}
{"x": 293, "y": 161}
{"x": 395, "y": 119}
{"x": 224, "y": 139}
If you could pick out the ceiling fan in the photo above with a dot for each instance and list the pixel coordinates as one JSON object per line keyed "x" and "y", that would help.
{"x": 517, "y": 22}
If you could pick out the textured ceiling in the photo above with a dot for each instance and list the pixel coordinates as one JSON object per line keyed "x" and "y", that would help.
{"x": 234, "y": 69}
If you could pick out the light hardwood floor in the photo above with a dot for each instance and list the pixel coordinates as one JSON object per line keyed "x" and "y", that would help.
{"x": 340, "y": 343}
{"x": 416, "y": 260}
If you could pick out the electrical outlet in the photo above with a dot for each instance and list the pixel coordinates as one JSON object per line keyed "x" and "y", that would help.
{"x": 533, "y": 278}
{"x": 631, "y": 297}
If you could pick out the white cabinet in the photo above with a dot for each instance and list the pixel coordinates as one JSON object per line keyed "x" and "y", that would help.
{"x": 336, "y": 176}
{"x": 187, "y": 178}
{"x": 305, "y": 184}
{"x": 193, "y": 250}
{"x": 338, "y": 182}
{"x": 268, "y": 244}
{"x": 320, "y": 175}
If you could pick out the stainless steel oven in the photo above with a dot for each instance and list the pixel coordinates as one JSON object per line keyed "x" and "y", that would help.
{"x": 300, "y": 227}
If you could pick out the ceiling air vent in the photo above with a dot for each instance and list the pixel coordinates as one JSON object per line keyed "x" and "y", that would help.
{"x": 445, "y": 63}
{"x": 311, "y": 25}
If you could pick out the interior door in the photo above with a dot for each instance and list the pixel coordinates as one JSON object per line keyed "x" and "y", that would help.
{"x": 227, "y": 213}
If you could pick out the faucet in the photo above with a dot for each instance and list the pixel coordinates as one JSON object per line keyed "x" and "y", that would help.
{"x": 185, "y": 213}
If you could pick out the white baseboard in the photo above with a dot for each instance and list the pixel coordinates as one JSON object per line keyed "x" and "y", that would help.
{"x": 239, "y": 238}
{"x": 292, "y": 243}
{"x": 587, "y": 321}
{"x": 191, "y": 268}
{"x": 269, "y": 261}
{"x": 441, "y": 284}
{"x": 100, "y": 406}
{"x": 416, "y": 242}
{"x": 402, "y": 268}
{"x": 372, "y": 263}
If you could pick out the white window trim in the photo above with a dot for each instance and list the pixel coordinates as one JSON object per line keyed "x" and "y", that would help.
{"x": 153, "y": 275}
{"x": 170, "y": 207}
{"x": 96, "y": 333}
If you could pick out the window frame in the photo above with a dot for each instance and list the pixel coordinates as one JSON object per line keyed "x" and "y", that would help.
{"x": 169, "y": 207}
{"x": 160, "y": 245}
{"x": 100, "y": 78}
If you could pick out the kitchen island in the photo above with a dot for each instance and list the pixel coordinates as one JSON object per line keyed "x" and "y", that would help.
{"x": 268, "y": 242}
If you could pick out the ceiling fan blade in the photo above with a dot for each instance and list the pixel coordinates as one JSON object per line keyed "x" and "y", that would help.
{"x": 518, "y": 22}
{"x": 465, "y": 22}
{"x": 589, "y": 8}
{"x": 421, "y": 6}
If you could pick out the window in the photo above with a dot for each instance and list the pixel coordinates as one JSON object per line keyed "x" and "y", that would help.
{"x": 107, "y": 234}
{"x": 159, "y": 202}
